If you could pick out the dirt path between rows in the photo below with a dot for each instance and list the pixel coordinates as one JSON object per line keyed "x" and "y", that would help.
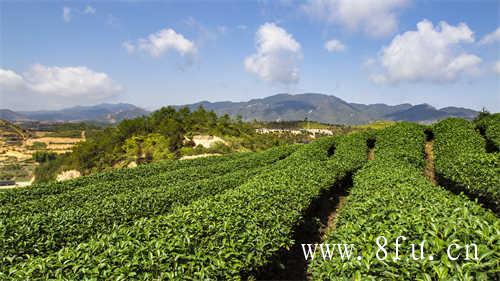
{"x": 371, "y": 154}
{"x": 430, "y": 171}
{"x": 319, "y": 220}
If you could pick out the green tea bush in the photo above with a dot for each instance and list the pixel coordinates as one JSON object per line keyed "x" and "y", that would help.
{"x": 391, "y": 197}
{"x": 462, "y": 163}
{"x": 42, "y": 227}
{"x": 402, "y": 141}
{"x": 217, "y": 238}
{"x": 489, "y": 125}
{"x": 37, "y": 191}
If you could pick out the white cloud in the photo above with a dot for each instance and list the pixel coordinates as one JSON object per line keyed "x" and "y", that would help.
{"x": 10, "y": 79}
{"x": 334, "y": 45}
{"x": 129, "y": 47}
{"x": 491, "y": 37}
{"x": 277, "y": 55}
{"x": 70, "y": 81}
{"x": 203, "y": 33}
{"x": 89, "y": 10}
{"x": 369, "y": 62}
{"x": 496, "y": 67}
{"x": 375, "y": 17}
{"x": 158, "y": 43}
{"x": 66, "y": 14}
{"x": 64, "y": 85}
{"x": 429, "y": 54}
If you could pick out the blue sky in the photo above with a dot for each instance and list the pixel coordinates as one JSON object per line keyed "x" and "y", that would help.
{"x": 151, "y": 53}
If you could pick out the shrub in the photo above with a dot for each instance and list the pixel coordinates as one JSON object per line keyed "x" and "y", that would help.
{"x": 462, "y": 163}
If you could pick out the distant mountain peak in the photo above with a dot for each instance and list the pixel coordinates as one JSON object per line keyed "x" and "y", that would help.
{"x": 104, "y": 112}
{"x": 424, "y": 105}
{"x": 329, "y": 109}
{"x": 282, "y": 106}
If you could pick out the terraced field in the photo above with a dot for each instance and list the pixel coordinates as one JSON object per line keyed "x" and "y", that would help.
{"x": 246, "y": 216}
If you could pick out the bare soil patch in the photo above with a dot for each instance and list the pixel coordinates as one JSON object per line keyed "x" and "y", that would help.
{"x": 430, "y": 171}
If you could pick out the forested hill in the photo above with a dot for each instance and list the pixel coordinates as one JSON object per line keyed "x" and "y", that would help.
{"x": 164, "y": 134}
{"x": 282, "y": 107}
{"x": 331, "y": 109}
{"x": 102, "y": 113}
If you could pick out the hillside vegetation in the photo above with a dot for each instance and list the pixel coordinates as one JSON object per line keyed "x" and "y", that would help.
{"x": 239, "y": 216}
{"x": 165, "y": 134}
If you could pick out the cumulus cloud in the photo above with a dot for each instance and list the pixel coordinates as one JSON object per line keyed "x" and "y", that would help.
{"x": 369, "y": 63}
{"x": 66, "y": 14}
{"x": 428, "y": 54}
{"x": 63, "y": 85}
{"x": 89, "y": 10}
{"x": 334, "y": 45}
{"x": 10, "y": 79}
{"x": 69, "y": 13}
{"x": 277, "y": 55}
{"x": 496, "y": 67}
{"x": 129, "y": 47}
{"x": 158, "y": 43}
{"x": 375, "y": 17}
{"x": 491, "y": 37}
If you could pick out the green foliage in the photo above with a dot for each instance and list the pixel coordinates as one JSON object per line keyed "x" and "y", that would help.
{"x": 44, "y": 156}
{"x": 13, "y": 171}
{"x": 259, "y": 142}
{"x": 390, "y": 197}
{"x": 35, "y": 192}
{"x": 462, "y": 163}
{"x": 393, "y": 198}
{"x": 162, "y": 135}
{"x": 214, "y": 238}
{"x": 98, "y": 209}
{"x": 489, "y": 126}
{"x": 224, "y": 218}
{"x": 458, "y": 135}
{"x": 152, "y": 147}
{"x": 188, "y": 150}
{"x": 215, "y": 148}
{"x": 376, "y": 125}
{"x": 60, "y": 127}
{"x": 38, "y": 145}
{"x": 297, "y": 125}
{"x": 402, "y": 141}
{"x": 48, "y": 170}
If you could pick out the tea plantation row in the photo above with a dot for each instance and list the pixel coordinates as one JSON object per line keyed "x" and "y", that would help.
{"x": 15, "y": 196}
{"x": 391, "y": 197}
{"x": 463, "y": 164}
{"x": 227, "y": 218}
{"x": 490, "y": 127}
{"x": 77, "y": 196}
{"x": 220, "y": 237}
{"x": 26, "y": 233}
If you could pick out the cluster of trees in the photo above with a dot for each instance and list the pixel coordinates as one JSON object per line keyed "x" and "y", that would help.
{"x": 161, "y": 135}
{"x": 63, "y": 129}
{"x": 43, "y": 156}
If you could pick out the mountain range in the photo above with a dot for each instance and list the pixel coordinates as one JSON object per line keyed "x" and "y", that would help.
{"x": 331, "y": 109}
{"x": 317, "y": 107}
{"x": 103, "y": 113}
